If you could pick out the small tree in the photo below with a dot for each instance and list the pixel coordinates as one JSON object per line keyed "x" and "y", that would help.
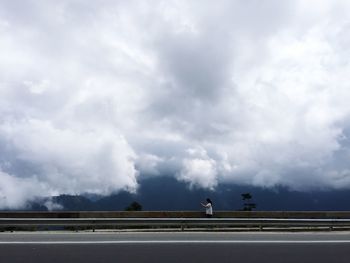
{"x": 247, "y": 205}
{"x": 134, "y": 206}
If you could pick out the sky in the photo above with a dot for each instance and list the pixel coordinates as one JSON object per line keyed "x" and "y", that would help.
{"x": 97, "y": 95}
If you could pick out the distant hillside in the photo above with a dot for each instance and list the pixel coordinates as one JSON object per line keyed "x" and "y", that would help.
{"x": 165, "y": 193}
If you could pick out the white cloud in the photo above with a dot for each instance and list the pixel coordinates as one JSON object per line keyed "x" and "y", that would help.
{"x": 92, "y": 94}
{"x": 51, "y": 206}
{"x": 199, "y": 169}
{"x": 67, "y": 161}
{"x": 15, "y": 191}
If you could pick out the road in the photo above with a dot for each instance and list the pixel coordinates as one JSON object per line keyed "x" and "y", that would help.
{"x": 184, "y": 247}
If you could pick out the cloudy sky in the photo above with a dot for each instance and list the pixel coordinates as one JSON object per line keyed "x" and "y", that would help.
{"x": 96, "y": 95}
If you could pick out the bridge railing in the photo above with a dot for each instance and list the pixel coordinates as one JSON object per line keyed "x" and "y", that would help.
{"x": 177, "y": 214}
{"x": 182, "y": 223}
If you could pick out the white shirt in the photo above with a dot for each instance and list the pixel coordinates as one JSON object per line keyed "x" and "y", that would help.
{"x": 209, "y": 209}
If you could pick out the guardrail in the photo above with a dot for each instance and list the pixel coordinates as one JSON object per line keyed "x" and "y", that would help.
{"x": 177, "y": 214}
{"x": 182, "y": 223}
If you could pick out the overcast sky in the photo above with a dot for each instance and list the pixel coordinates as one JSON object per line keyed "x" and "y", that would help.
{"x": 95, "y": 95}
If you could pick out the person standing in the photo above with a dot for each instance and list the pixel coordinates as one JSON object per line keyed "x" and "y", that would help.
{"x": 208, "y": 208}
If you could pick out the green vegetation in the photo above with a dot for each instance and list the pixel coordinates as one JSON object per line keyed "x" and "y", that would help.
{"x": 134, "y": 206}
{"x": 247, "y": 204}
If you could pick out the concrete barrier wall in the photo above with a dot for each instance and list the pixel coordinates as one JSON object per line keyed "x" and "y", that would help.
{"x": 177, "y": 214}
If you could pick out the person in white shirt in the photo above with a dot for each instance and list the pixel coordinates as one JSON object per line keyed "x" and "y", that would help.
{"x": 208, "y": 208}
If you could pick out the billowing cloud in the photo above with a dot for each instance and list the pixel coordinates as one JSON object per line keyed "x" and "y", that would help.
{"x": 95, "y": 95}
{"x": 199, "y": 170}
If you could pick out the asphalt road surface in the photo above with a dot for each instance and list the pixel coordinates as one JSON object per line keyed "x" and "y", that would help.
{"x": 175, "y": 247}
